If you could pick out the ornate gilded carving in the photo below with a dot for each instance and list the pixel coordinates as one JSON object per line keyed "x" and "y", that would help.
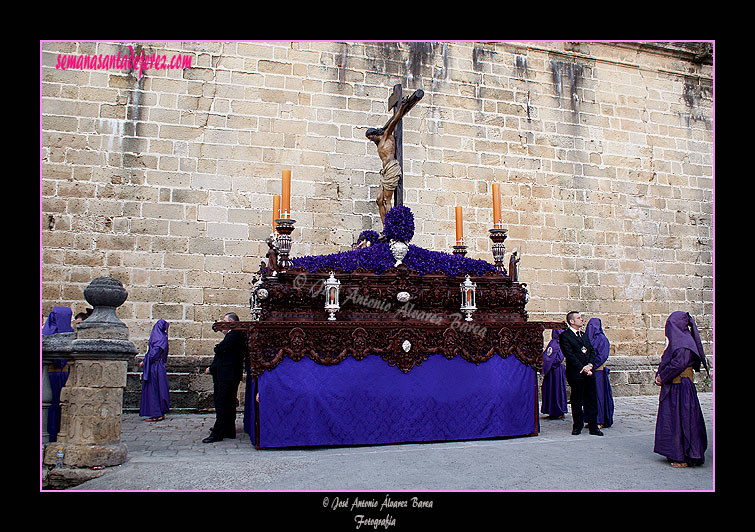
{"x": 372, "y": 321}
{"x": 330, "y": 344}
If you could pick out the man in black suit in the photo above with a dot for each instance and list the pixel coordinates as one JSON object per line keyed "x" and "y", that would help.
{"x": 580, "y": 356}
{"x": 226, "y": 370}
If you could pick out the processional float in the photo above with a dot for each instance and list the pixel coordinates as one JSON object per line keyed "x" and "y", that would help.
{"x": 388, "y": 342}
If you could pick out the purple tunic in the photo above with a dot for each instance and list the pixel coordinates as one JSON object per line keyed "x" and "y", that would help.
{"x": 58, "y": 321}
{"x": 155, "y": 391}
{"x": 553, "y": 389}
{"x": 680, "y": 433}
{"x": 603, "y": 386}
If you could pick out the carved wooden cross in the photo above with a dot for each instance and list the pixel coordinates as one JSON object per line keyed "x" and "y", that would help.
{"x": 394, "y": 102}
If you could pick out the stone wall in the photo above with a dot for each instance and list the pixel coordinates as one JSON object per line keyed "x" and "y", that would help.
{"x": 164, "y": 178}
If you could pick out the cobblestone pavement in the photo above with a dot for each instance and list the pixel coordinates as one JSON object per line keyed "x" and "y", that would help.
{"x": 170, "y": 455}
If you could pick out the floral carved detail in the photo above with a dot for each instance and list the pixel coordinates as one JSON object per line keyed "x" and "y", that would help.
{"x": 400, "y": 346}
{"x": 372, "y": 321}
{"x": 359, "y": 337}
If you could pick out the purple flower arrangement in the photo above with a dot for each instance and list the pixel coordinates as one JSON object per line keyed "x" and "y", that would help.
{"x": 369, "y": 235}
{"x": 424, "y": 261}
{"x": 378, "y": 258}
{"x": 399, "y": 224}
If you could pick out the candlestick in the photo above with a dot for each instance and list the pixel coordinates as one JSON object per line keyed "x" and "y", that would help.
{"x": 497, "y": 223}
{"x": 460, "y": 249}
{"x": 498, "y": 236}
{"x": 276, "y": 209}
{"x": 285, "y": 227}
{"x": 286, "y": 194}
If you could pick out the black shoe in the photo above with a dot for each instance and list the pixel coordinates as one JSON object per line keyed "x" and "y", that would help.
{"x": 596, "y": 432}
{"x": 212, "y": 438}
{"x": 575, "y": 431}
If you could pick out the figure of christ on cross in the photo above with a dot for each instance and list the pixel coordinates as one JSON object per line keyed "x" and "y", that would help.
{"x": 385, "y": 141}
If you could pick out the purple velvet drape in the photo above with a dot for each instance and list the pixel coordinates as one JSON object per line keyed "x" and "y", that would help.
{"x": 369, "y": 402}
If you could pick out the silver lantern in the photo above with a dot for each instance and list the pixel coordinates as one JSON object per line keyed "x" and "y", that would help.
{"x": 332, "y": 296}
{"x": 468, "y": 300}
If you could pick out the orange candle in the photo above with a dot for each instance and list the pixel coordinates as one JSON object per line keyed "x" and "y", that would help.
{"x": 459, "y": 227}
{"x": 276, "y": 209}
{"x": 496, "y": 205}
{"x": 286, "y": 194}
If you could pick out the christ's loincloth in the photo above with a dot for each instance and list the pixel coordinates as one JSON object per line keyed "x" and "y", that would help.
{"x": 390, "y": 174}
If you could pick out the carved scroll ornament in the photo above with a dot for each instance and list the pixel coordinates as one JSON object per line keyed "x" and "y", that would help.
{"x": 401, "y": 346}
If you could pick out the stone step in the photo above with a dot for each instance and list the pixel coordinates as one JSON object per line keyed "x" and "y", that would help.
{"x": 635, "y": 375}
{"x": 191, "y": 388}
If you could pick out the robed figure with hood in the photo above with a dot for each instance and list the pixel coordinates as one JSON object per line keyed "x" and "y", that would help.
{"x": 553, "y": 389}
{"x": 680, "y": 433}
{"x": 155, "y": 390}
{"x": 58, "y": 321}
{"x": 602, "y": 346}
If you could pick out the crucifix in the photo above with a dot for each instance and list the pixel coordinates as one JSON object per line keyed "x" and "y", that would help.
{"x": 389, "y": 142}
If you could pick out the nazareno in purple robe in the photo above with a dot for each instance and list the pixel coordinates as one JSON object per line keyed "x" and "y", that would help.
{"x": 155, "y": 390}
{"x": 58, "y": 321}
{"x": 553, "y": 389}
{"x": 602, "y": 346}
{"x": 680, "y": 433}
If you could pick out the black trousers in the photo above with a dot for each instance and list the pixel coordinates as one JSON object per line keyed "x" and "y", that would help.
{"x": 584, "y": 393}
{"x": 225, "y": 408}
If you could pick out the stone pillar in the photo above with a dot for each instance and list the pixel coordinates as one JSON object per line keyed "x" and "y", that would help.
{"x": 92, "y": 399}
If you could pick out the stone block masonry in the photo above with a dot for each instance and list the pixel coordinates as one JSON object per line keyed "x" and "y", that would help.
{"x": 603, "y": 151}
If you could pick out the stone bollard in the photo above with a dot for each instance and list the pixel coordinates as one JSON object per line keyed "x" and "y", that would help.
{"x": 92, "y": 399}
